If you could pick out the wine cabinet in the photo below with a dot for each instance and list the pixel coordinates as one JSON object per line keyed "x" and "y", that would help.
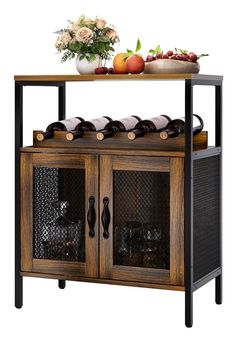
{"x": 140, "y": 213}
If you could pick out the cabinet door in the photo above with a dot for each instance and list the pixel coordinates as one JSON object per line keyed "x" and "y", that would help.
{"x": 141, "y": 225}
{"x": 59, "y": 195}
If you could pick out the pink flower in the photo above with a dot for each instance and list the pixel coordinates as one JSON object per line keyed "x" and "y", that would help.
{"x": 100, "y": 23}
{"x": 84, "y": 35}
{"x": 112, "y": 34}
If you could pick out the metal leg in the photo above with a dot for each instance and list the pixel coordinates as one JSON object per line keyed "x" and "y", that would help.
{"x": 18, "y": 144}
{"x": 61, "y": 284}
{"x": 188, "y": 309}
{"x": 188, "y": 205}
{"x": 218, "y": 289}
{"x": 61, "y": 101}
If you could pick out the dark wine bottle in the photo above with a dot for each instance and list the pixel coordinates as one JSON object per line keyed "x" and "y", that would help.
{"x": 62, "y": 125}
{"x": 155, "y": 124}
{"x": 177, "y": 126}
{"x": 90, "y": 125}
{"x": 121, "y": 125}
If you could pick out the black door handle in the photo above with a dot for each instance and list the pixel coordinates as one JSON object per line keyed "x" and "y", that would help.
{"x": 91, "y": 216}
{"x": 106, "y": 218}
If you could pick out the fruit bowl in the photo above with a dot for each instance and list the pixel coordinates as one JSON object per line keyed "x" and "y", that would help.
{"x": 169, "y": 66}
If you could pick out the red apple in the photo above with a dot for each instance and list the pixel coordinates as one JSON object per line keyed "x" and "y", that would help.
{"x": 135, "y": 64}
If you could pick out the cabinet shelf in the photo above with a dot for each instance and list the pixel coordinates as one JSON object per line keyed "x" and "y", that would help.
{"x": 92, "y": 77}
{"x": 120, "y": 141}
{"x": 141, "y": 213}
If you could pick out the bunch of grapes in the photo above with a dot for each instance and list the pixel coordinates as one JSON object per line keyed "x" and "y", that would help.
{"x": 179, "y": 54}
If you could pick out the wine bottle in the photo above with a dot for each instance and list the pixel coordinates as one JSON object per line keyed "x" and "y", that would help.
{"x": 177, "y": 126}
{"x": 62, "y": 125}
{"x": 155, "y": 124}
{"x": 90, "y": 125}
{"x": 121, "y": 125}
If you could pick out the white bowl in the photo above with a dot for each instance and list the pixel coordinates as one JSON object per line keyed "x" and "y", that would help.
{"x": 169, "y": 66}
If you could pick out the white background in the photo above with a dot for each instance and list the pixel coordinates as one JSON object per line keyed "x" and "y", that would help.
{"x": 93, "y": 316}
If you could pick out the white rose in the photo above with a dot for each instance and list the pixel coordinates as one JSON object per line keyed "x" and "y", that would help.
{"x": 84, "y": 34}
{"x": 59, "y": 44}
{"x": 74, "y": 27}
{"x": 100, "y": 23}
{"x": 89, "y": 21}
{"x": 66, "y": 38}
{"x": 63, "y": 40}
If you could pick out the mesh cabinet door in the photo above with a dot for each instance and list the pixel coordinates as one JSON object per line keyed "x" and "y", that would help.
{"x": 144, "y": 199}
{"x": 58, "y": 196}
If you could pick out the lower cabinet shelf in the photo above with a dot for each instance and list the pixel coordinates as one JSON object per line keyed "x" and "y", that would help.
{"x": 104, "y": 281}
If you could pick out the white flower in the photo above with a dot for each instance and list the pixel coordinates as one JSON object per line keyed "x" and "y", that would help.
{"x": 63, "y": 40}
{"x": 66, "y": 38}
{"x": 59, "y": 44}
{"x": 74, "y": 27}
{"x": 88, "y": 21}
{"x": 100, "y": 23}
{"x": 84, "y": 35}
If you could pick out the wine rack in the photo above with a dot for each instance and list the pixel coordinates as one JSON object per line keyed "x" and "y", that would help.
{"x": 140, "y": 213}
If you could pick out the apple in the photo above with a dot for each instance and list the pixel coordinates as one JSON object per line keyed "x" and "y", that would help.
{"x": 119, "y": 63}
{"x": 135, "y": 64}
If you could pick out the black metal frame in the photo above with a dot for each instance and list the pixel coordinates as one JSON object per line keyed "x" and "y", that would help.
{"x": 18, "y": 144}
{"x": 190, "y": 286}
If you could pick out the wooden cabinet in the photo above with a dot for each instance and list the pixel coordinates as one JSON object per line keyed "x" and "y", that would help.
{"x": 133, "y": 205}
{"x": 140, "y": 213}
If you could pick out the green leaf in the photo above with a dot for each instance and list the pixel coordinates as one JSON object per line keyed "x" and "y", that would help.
{"x": 81, "y": 57}
{"x": 138, "y": 45}
{"x": 203, "y": 55}
{"x": 127, "y": 55}
{"x": 152, "y": 51}
{"x": 91, "y": 57}
{"x": 158, "y": 49}
{"x": 104, "y": 39}
{"x": 183, "y": 52}
{"x": 130, "y": 52}
{"x": 75, "y": 47}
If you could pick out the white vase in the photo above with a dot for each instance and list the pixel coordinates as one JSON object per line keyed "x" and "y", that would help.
{"x": 85, "y": 67}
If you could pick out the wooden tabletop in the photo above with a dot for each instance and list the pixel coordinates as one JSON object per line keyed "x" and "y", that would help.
{"x": 92, "y": 77}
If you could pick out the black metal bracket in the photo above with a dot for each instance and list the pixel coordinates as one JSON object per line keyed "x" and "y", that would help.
{"x": 18, "y": 144}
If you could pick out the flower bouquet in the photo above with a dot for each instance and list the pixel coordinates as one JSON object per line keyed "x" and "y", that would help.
{"x": 89, "y": 39}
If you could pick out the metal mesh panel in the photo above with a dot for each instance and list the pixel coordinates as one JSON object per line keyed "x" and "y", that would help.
{"x": 58, "y": 214}
{"x": 206, "y": 240}
{"x": 141, "y": 213}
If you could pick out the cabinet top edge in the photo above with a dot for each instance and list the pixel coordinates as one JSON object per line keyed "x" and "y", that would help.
{"x": 93, "y": 77}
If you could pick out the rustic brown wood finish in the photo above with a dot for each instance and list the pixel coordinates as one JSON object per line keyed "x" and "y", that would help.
{"x": 120, "y": 141}
{"x": 92, "y": 77}
{"x": 129, "y": 273}
{"x": 103, "y": 280}
{"x": 99, "y": 183}
{"x": 90, "y": 164}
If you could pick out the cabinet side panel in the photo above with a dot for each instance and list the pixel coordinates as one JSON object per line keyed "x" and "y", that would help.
{"x": 177, "y": 220}
{"x": 26, "y": 211}
{"x": 206, "y": 225}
